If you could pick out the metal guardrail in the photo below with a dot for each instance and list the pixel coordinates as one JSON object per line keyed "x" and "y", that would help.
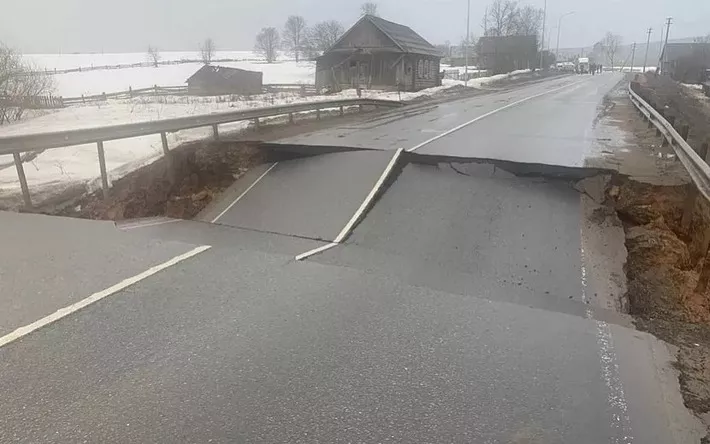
{"x": 42, "y": 141}
{"x": 697, "y": 167}
{"x": 695, "y": 163}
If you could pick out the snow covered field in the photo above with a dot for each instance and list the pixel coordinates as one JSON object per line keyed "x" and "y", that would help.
{"x": 75, "y": 84}
{"x": 79, "y": 164}
{"x": 71, "y": 61}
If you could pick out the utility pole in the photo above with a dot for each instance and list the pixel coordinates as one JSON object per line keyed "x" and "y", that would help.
{"x": 542, "y": 40}
{"x": 559, "y": 27}
{"x": 633, "y": 57}
{"x": 669, "y": 20}
{"x": 466, "y": 42}
{"x": 648, "y": 43}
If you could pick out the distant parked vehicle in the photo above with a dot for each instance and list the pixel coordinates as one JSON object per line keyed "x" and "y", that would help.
{"x": 583, "y": 65}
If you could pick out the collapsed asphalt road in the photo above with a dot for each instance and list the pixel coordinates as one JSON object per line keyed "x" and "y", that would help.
{"x": 459, "y": 309}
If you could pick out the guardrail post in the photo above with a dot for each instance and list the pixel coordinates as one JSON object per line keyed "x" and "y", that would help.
{"x": 102, "y": 167}
{"x": 215, "y": 132}
{"x": 360, "y": 108}
{"x": 703, "y": 151}
{"x": 342, "y": 111}
{"x": 684, "y": 132}
{"x": 689, "y": 208}
{"x": 23, "y": 180}
{"x": 318, "y": 114}
{"x": 168, "y": 157}
{"x": 671, "y": 120}
{"x": 164, "y": 139}
{"x": 290, "y": 117}
{"x": 256, "y": 124}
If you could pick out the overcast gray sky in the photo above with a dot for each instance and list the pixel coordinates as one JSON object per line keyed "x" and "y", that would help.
{"x": 34, "y": 26}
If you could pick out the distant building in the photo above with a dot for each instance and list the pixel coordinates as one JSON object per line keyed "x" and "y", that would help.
{"x": 509, "y": 53}
{"x": 376, "y": 53}
{"x": 686, "y": 62}
{"x": 216, "y": 80}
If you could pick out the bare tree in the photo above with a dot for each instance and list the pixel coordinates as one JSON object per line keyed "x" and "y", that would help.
{"x": 611, "y": 43}
{"x": 153, "y": 55}
{"x": 369, "y": 8}
{"x": 528, "y": 21}
{"x": 294, "y": 35}
{"x": 19, "y": 84}
{"x": 324, "y": 34}
{"x": 267, "y": 43}
{"x": 207, "y": 51}
{"x": 502, "y": 18}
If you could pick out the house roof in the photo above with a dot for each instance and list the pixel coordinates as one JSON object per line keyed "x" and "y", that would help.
{"x": 402, "y": 36}
{"x": 674, "y": 51}
{"x": 223, "y": 72}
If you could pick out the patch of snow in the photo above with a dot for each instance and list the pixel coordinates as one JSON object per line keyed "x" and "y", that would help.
{"x": 693, "y": 86}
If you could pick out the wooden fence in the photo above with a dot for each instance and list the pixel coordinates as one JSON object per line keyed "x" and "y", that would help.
{"x": 52, "y": 102}
{"x": 31, "y": 102}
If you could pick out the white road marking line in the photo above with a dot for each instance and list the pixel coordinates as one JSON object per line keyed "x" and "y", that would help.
{"x": 620, "y": 421}
{"x": 363, "y": 206}
{"x": 244, "y": 193}
{"x": 320, "y": 249}
{"x": 66, "y": 311}
{"x": 148, "y": 224}
{"x": 488, "y": 114}
{"x": 346, "y": 230}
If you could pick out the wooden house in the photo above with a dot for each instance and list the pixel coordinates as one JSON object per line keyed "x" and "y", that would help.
{"x": 379, "y": 54}
{"x": 507, "y": 53}
{"x": 686, "y": 62}
{"x": 216, "y": 80}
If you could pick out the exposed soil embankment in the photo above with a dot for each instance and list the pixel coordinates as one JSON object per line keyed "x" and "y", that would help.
{"x": 663, "y": 266}
{"x": 179, "y": 186}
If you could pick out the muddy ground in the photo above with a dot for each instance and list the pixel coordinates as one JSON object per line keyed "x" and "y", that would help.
{"x": 685, "y": 106}
{"x": 178, "y": 186}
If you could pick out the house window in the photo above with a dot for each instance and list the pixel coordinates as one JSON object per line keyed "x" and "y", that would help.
{"x": 432, "y": 70}
{"x": 420, "y": 69}
{"x": 426, "y": 69}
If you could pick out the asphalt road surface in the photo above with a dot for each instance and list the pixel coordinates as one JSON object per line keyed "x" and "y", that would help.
{"x": 457, "y": 311}
{"x": 550, "y": 122}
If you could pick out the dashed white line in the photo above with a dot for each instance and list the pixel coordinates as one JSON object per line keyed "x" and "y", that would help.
{"x": 73, "y": 308}
{"x": 244, "y": 193}
{"x": 488, "y": 114}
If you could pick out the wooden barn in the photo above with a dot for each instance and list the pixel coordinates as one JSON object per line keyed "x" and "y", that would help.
{"x": 216, "y": 80}
{"x": 379, "y": 54}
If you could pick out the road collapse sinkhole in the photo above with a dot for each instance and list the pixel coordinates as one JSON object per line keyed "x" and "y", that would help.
{"x": 662, "y": 265}
{"x": 663, "y": 262}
